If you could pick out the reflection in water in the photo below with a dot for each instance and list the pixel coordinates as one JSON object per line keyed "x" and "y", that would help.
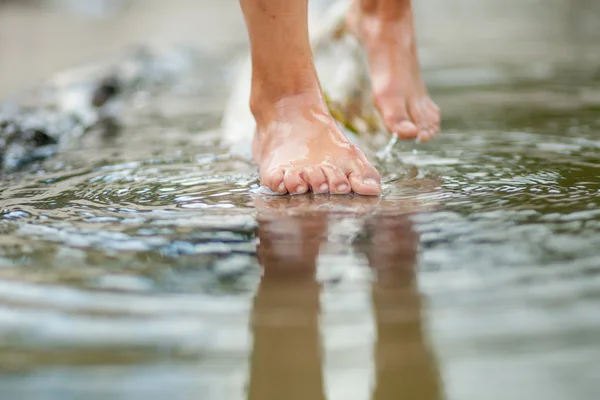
{"x": 405, "y": 368}
{"x": 287, "y": 357}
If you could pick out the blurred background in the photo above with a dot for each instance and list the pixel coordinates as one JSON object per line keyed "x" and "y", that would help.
{"x": 39, "y": 37}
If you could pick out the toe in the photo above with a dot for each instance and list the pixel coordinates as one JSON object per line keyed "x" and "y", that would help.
{"x": 294, "y": 182}
{"x": 418, "y": 114}
{"x": 433, "y": 126}
{"x": 396, "y": 118}
{"x": 316, "y": 180}
{"x": 274, "y": 181}
{"x": 338, "y": 183}
{"x": 365, "y": 181}
{"x": 434, "y": 111}
{"x": 433, "y": 131}
{"x": 426, "y": 135}
{"x": 406, "y": 129}
{"x": 433, "y": 116}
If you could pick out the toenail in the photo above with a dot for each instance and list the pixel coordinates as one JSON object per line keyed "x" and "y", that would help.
{"x": 405, "y": 126}
{"x": 281, "y": 188}
{"x": 342, "y": 188}
{"x": 370, "y": 182}
{"x": 324, "y": 187}
{"x": 300, "y": 189}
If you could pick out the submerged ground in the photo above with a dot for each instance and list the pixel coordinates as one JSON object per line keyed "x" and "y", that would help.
{"x": 140, "y": 265}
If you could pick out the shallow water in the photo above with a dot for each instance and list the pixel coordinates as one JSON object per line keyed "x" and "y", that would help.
{"x": 141, "y": 265}
{"x": 135, "y": 268}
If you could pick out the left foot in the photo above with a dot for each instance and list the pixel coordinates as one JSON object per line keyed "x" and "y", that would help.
{"x": 398, "y": 89}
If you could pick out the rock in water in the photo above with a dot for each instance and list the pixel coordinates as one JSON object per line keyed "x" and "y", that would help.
{"x": 36, "y": 125}
{"x": 29, "y": 134}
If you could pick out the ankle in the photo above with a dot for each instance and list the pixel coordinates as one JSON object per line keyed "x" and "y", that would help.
{"x": 385, "y": 10}
{"x": 373, "y": 29}
{"x": 269, "y": 98}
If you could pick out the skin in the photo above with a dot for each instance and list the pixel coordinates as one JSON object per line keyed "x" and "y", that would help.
{"x": 386, "y": 30}
{"x": 298, "y": 145}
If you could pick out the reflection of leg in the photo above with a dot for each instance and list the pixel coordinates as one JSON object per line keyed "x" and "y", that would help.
{"x": 286, "y": 357}
{"x": 404, "y": 367}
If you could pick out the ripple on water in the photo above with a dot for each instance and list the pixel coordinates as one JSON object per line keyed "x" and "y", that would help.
{"x": 147, "y": 254}
{"x": 113, "y": 259}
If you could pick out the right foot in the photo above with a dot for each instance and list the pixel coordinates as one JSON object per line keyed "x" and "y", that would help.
{"x": 299, "y": 148}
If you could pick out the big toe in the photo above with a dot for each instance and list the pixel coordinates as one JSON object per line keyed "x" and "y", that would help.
{"x": 396, "y": 118}
{"x": 365, "y": 180}
{"x": 405, "y": 129}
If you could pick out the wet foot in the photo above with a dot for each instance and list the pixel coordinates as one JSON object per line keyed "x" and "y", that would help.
{"x": 300, "y": 148}
{"x": 387, "y": 33}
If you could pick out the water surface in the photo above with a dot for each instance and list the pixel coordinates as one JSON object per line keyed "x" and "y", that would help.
{"x": 141, "y": 265}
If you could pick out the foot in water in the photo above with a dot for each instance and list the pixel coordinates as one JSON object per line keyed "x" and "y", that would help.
{"x": 298, "y": 145}
{"x": 386, "y": 30}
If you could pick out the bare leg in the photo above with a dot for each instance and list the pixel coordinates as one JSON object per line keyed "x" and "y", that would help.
{"x": 298, "y": 145}
{"x": 386, "y": 29}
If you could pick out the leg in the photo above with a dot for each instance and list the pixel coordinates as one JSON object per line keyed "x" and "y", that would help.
{"x": 298, "y": 145}
{"x": 386, "y": 29}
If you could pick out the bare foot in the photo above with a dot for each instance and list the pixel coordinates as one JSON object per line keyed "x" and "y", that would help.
{"x": 299, "y": 147}
{"x": 385, "y": 28}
